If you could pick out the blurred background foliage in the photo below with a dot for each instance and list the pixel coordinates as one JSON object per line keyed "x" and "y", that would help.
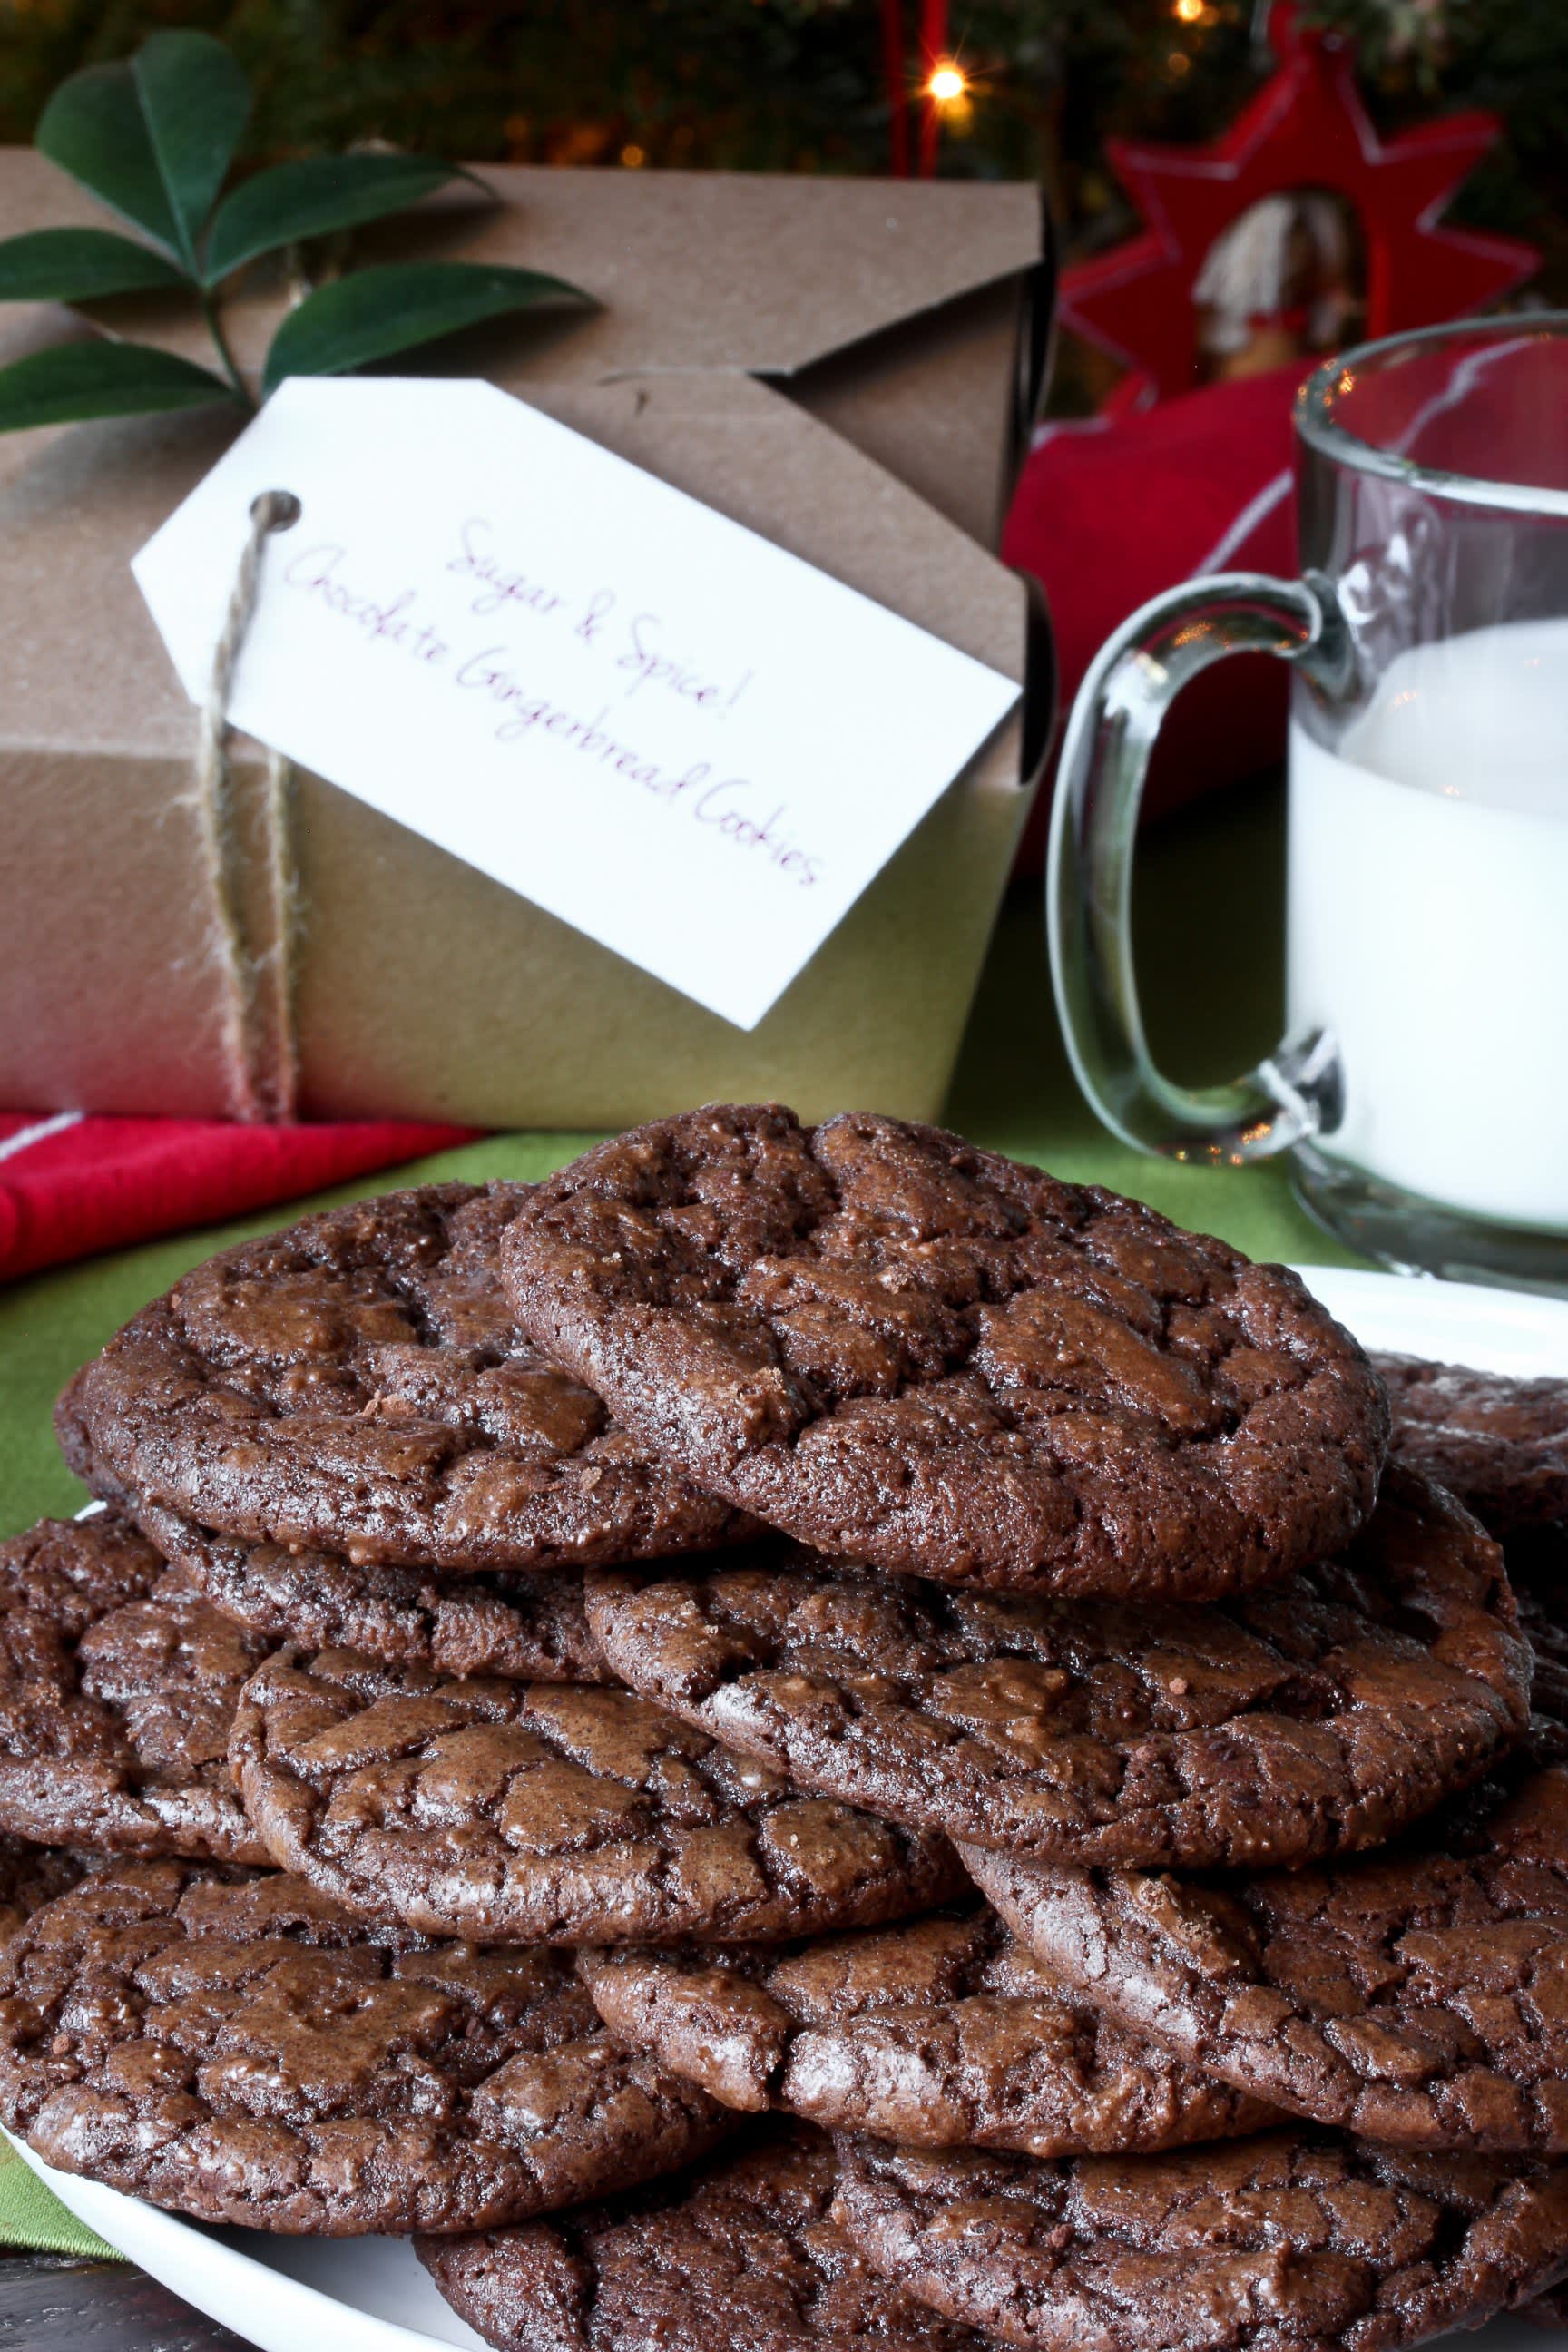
{"x": 799, "y": 85}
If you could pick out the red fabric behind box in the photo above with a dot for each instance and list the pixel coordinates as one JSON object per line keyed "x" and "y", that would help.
{"x": 1112, "y": 510}
{"x": 71, "y": 1185}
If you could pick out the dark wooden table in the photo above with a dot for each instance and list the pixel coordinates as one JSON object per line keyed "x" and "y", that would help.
{"x": 56, "y": 2302}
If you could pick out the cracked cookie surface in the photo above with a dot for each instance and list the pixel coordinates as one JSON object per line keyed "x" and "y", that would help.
{"x": 1312, "y": 1717}
{"x": 741, "y": 2253}
{"x": 529, "y": 1627}
{"x": 1418, "y": 1996}
{"x": 1538, "y": 1568}
{"x": 551, "y": 1812}
{"x": 31, "y": 1876}
{"x": 1498, "y": 1442}
{"x": 927, "y": 1358}
{"x": 245, "y": 2050}
{"x": 118, "y": 1683}
{"x": 941, "y": 2031}
{"x": 356, "y": 1385}
{"x": 1298, "y": 2238}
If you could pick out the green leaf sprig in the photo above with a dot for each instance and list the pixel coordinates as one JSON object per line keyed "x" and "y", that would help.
{"x": 153, "y": 138}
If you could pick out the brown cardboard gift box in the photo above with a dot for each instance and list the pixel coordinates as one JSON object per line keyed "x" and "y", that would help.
{"x": 847, "y": 366}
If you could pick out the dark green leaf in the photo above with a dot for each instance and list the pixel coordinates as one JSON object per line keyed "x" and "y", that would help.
{"x": 94, "y": 128}
{"x": 72, "y": 264}
{"x": 196, "y": 99}
{"x": 152, "y": 138}
{"x": 101, "y": 379}
{"x": 311, "y": 198}
{"x": 375, "y": 313}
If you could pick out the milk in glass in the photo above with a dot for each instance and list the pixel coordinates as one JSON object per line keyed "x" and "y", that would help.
{"x": 1429, "y": 921}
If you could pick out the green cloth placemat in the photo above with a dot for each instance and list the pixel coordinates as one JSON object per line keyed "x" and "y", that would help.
{"x": 1208, "y": 920}
{"x": 34, "y": 2222}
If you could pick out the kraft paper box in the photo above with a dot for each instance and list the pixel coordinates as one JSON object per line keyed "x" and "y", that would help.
{"x": 848, "y": 367}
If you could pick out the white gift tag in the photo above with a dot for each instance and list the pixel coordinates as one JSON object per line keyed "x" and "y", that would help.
{"x": 688, "y": 743}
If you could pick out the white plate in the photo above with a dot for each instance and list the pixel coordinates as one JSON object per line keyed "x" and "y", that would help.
{"x": 370, "y": 2295}
{"x": 1457, "y": 1322}
{"x": 283, "y": 2295}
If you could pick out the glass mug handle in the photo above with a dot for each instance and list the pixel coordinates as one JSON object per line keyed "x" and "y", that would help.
{"x": 1295, "y": 1091}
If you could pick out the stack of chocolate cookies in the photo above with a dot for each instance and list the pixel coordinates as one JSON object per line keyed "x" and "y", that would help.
{"x": 804, "y": 1737}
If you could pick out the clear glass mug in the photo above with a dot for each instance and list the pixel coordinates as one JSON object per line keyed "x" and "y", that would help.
{"x": 1421, "y": 1089}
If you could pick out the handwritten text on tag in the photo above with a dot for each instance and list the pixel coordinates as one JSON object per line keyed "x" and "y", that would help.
{"x": 662, "y": 727}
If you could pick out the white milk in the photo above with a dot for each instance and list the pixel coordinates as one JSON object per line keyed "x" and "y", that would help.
{"x": 1429, "y": 921}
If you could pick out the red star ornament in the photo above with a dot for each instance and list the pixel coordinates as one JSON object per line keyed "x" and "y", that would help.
{"x": 1306, "y": 128}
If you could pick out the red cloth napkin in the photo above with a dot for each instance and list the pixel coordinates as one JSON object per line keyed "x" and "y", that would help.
{"x": 1112, "y": 510}
{"x": 71, "y": 1185}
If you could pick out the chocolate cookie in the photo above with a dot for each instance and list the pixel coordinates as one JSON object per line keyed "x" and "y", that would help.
{"x": 31, "y": 1876}
{"x": 1315, "y": 1717}
{"x": 1419, "y": 1997}
{"x": 742, "y": 2256}
{"x": 532, "y": 1628}
{"x": 1300, "y": 2238}
{"x": 942, "y": 2033}
{"x": 1494, "y": 1440}
{"x": 1500, "y": 1445}
{"x": 910, "y": 1353}
{"x": 356, "y": 1385}
{"x": 1537, "y": 1561}
{"x": 248, "y": 2053}
{"x": 117, "y": 1688}
{"x": 552, "y": 1813}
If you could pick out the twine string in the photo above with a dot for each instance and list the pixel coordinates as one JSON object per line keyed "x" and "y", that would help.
{"x": 261, "y": 1048}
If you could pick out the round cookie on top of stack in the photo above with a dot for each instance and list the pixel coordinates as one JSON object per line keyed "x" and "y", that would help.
{"x": 602, "y": 1818}
{"x": 356, "y": 1385}
{"x": 924, "y": 1357}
